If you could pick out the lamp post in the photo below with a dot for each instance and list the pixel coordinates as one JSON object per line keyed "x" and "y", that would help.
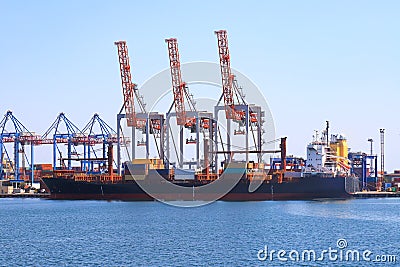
{"x": 382, "y": 132}
{"x": 371, "y": 141}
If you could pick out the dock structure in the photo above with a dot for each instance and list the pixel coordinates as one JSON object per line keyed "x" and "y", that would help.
{"x": 26, "y": 195}
{"x": 375, "y": 194}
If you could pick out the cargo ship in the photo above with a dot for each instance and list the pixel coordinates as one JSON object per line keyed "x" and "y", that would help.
{"x": 305, "y": 188}
{"x": 325, "y": 174}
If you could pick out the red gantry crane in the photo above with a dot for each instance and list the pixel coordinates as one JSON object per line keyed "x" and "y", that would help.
{"x": 129, "y": 88}
{"x": 179, "y": 87}
{"x": 186, "y": 116}
{"x": 138, "y": 120}
{"x": 235, "y": 106}
{"x": 228, "y": 78}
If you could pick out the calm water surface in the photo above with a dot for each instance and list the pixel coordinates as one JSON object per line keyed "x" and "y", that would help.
{"x": 37, "y": 232}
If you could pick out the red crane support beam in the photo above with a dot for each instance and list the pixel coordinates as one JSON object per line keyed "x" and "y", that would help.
{"x": 127, "y": 85}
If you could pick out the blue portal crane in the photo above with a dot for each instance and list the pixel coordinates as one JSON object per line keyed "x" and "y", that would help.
{"x": 105, "y": 135}
{"x": 72, "y": 137}
{"x": 20, "y": 136}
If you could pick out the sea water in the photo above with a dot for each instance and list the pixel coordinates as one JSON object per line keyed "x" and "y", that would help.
{"x": 38, "y": 232}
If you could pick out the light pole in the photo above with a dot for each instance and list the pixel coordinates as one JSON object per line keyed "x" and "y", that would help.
{"x": 371, "y": 141}
{"x": 382, "y": 132}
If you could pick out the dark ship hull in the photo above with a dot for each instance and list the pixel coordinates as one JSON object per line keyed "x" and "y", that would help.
{"x": 307, "y": 188}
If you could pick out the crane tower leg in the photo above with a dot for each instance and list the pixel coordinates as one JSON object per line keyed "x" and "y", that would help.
{"x": 181, "y": 147}
{"x": 1, "y": 157}
{"x": 54, "y": 152}
{"x": 69, "y": 154}
{"x": 133, "y": 143}
{"x": 247, "y": 133}
{"x": 119, "y": 144}
{"x": 32, "y": 165}
{"x": 198, "y": 141}
{"x": 16, "y": 157}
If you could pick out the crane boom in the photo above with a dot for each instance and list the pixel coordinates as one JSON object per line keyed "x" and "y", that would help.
{"x": 127, "y": 85}
{"x": 227, "y": 77}
{"x": 178, "y": 86}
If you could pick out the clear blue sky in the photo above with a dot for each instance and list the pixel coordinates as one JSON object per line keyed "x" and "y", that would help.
{"x": 313, "y": 60}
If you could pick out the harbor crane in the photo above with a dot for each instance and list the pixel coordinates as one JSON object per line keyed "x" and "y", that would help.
{"x": 146, "y": 122}
{"x": 19, "y": 136}
{"x": 105, "y": 136}
{"x": 129, "y": 88}
{"x": 236, "y": 109}
{"x": 191, "y": 119}
{"x": 179, "y": 87}
{"x": 229, "y": 85}
{"x": 72, "y": 137}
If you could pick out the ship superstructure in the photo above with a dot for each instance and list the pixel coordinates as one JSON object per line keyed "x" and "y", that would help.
{"x": 328, "y": 155}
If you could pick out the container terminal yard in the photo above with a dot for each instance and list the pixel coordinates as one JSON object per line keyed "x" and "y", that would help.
{"x": 88, "y": 168}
